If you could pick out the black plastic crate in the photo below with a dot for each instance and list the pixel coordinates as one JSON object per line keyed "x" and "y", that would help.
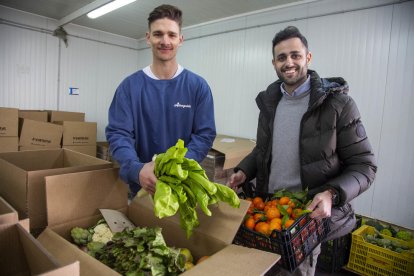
{"x": 293, "y": 244}
{"x": 335, "y": 253}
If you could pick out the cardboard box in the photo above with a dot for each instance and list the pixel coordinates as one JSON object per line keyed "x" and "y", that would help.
{"x": 36, "y": 115}
{"x": 89, "y": 150}
{"x": 21, "y": 254}
{"x": 9, "y": 144}
{"x": 213, "y": 237}
{"x": 7, "y": 213}
{"x": 56, "y": 116}
{"x": 40, "y": 134}
{"x": 103, "y": 152}
{"x": 22, "y": 178}
{"x": 78, "y": 133}
{"x": 9, "y": 121}
{"x": 226, "y": 153}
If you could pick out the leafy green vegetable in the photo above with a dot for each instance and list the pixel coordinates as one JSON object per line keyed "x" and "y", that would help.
{"x": 183, "y": 185}
{"x": 140, "y": 251}
{"x": 165, "y": 200}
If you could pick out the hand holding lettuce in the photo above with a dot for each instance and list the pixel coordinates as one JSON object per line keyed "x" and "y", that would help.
{"x": 183, "y": 185}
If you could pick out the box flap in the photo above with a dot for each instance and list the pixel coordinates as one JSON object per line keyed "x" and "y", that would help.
{"x": 35, "y": 133}
{"x": 7, "y": 213}
{"x": 21, "y": 254}
{"x": 66, "y": 253}
{"x": 13, "y": 185}
{"x": 222, "y": 225}
{"x": 38, "y": 259}
{"x": 67, "y": 270}
{"x": 235, "y": 260}
{"x": 234, "y": 149}
{"x": 12, "y": 257}
{"x": 80, "y": 195}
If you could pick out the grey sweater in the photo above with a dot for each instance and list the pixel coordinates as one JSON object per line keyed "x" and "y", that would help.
{"x": 285, "y": 166}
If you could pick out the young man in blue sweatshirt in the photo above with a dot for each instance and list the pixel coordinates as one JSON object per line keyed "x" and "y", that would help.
{"x": 158, "y": 105}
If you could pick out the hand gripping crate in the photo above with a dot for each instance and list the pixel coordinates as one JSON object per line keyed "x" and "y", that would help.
{"x": 370, "y": 259}
{"x": 293, "y": 244}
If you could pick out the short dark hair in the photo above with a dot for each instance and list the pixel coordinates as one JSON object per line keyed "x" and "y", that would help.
{"x": 166, "y": 11}
{"x": 286, "y": 33}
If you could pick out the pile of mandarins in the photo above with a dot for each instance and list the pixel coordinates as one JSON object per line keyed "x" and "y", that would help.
{"x": 265, "y": 216}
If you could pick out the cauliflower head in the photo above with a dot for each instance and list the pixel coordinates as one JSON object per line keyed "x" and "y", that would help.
{"x": 102, "y": 233}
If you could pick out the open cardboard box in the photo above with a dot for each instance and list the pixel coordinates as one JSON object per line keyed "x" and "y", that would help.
{"x": 7, "y": 213}
{"x": 22, "y": 254}
{"x": 225, "y": 154}
{"x": 22, "y": 178}
{"x": 75, "y": 199}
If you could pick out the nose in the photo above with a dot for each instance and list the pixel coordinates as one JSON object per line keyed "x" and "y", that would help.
{"x": 165, "y": 39}
{"x": 289, "y": 61}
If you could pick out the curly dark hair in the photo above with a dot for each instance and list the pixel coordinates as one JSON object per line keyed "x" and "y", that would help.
{"x": 286, "y": 33}
{"x": 166, "y": 11}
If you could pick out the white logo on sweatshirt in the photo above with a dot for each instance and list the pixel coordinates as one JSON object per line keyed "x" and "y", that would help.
{"x": 182, "y": 105}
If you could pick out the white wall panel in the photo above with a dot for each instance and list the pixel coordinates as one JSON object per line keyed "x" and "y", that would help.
{"x": 394, "y": 185}
{"x": 27, "y": 60}
{"x": 96, "y": 69}
{"x": 353, "y": 45}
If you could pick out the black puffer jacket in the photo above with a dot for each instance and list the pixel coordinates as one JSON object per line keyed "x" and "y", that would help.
{"x": 334, "y": 149}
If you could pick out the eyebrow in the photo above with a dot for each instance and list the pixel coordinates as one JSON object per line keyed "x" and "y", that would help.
{"x": 293, "y": 52}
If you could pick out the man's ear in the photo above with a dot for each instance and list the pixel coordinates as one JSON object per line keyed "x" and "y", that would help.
{"x": 181, "y": 40}
{"x": 273, "y": 62}
{"x": 308, "y": 58}
{"x": 147, "y": 37}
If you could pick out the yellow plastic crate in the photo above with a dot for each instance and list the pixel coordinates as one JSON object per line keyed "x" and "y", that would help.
{"x": 370, "y": 259}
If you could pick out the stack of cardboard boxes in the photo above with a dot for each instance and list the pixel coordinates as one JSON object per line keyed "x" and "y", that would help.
{"x": 8, "y": 129}
{"x": 46, "y": 129}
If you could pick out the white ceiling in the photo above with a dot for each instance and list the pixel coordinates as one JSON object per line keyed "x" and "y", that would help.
{"x": 131, "y": 20}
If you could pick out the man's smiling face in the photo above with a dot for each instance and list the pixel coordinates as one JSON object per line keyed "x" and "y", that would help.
{"x": 291, "y": 59}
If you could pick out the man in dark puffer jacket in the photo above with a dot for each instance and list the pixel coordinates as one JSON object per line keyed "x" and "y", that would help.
{"x": 309, "y": 136}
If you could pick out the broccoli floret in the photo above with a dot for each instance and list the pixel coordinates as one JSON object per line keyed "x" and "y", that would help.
{"x": 404, "y": 235}
{"x": 102, "y": 233}
{"x": 80, "y": 236}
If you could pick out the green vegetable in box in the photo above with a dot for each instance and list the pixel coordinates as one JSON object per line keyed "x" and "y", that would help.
{"x": 182, "y": 185}
{"x": 136, "y": 251}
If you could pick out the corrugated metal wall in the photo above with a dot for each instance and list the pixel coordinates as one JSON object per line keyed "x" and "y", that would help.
{"x": 369, "y": 43}
{"x": 365, "y": 42}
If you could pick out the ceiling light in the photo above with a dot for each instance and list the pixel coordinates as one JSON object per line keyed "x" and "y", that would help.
{"x": 109, "y": 7}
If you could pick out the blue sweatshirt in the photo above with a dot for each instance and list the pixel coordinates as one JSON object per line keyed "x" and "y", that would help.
{"x": 147, "y": 116}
